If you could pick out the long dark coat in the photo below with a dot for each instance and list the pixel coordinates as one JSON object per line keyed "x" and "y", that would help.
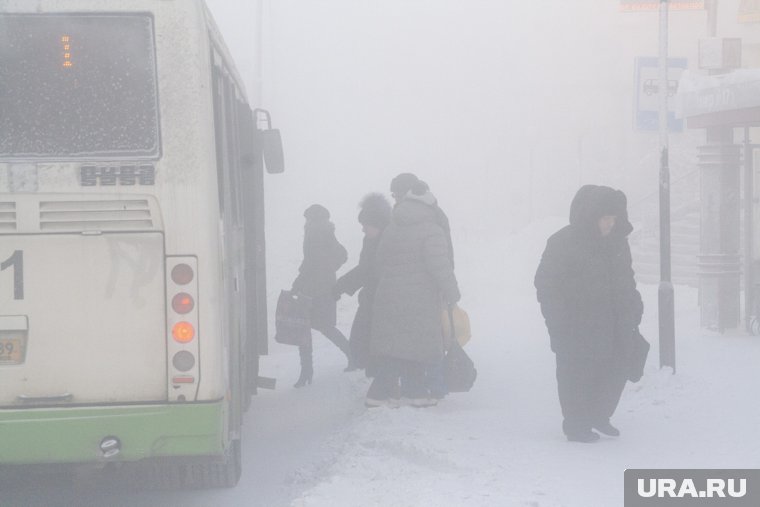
{"x": 443, "y": 220}
{"x": 363, "y": 278}
{"x": 585, "y": 285}
{"x": 415, "y": 282}
{"x": 323, "y": 255}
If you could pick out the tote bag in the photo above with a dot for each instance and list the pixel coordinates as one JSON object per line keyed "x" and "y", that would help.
{"x": 459, "y": 371}
{"x": 292, "y": 320}
{"x": 461, "y": 324}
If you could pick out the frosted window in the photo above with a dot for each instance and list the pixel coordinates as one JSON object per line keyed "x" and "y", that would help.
{"x": 77, "y": 86}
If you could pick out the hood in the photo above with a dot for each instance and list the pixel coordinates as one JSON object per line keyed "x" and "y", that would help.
{"x": 415, "y": 209}
{"x": 592, "y": 202}
{"x": 427, "y": 198}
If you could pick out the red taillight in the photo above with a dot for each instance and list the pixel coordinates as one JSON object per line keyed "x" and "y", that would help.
{"x": 183, "y": 303}
{"x": 183, "y": 360}
{"x": 183, "y": 332}
{"x": 182, "y": 274}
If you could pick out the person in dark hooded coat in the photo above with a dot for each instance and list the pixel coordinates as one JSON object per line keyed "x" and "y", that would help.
{"x": 587, "y": 292}
{"x": 416, "y": 283}
{"x": 323, "y": 255}
{"x": 374, "y": 217}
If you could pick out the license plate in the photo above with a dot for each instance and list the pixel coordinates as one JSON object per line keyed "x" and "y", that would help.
{"x": 12, "y": 349}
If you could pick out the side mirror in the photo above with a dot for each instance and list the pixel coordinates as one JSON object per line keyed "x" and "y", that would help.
{"x": 270, "y": 142}
{"x": 271, "y": 145}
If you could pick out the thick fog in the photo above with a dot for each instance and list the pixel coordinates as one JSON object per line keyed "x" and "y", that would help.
{"x": 505, "y": 108}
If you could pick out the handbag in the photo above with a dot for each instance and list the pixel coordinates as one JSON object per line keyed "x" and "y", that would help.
{"x": 461, "y": 325}
{"x": 292, "y": 318}
{"x": 636, "y": 356}
{"x": 459, "y": 371}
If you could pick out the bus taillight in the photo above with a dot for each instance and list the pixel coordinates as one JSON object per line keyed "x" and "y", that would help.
{"x": 182, "y": 274}
{"x": 183, "y": 360}
{"x": 183, "y": 328}
{"x": 183, "y": 332}
{"x": 183, "y": 303}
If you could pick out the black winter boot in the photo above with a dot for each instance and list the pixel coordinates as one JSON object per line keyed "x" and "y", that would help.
{"x": 606, "y": 428}
{"x": 587, "y": 437}
{"x": 334, "y": 335}
{"x": 307, "y": 367}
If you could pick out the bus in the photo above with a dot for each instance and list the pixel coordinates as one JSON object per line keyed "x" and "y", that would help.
{"x": 132, "y": 265}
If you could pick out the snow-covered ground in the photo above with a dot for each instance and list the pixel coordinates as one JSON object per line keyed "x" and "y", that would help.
{"x": 500, "y": 444}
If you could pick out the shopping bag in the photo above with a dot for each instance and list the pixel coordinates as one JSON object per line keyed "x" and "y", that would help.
{"x": 292, "y": 320}
{"x": 459, "y": 371}
{"x": 461, "y": 325}
{"x": 636, "y": 356}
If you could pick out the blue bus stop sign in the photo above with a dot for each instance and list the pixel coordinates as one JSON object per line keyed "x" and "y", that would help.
{"x": 647, "y": 97}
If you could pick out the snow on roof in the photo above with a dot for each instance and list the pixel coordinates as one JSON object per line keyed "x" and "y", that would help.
{"x": 702, "y": 94}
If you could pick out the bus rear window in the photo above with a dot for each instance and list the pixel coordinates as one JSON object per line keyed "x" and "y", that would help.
{"x": 78, "y": 86}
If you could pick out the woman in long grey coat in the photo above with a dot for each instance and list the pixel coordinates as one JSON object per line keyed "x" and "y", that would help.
{"x": 416, "y": 283}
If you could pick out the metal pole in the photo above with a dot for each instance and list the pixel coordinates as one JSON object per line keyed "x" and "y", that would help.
{"x": 665, "y": 292}
{"x": 749, "y": 282}
{"x": 258, "y": 55}
{"x": 712, "y": 17}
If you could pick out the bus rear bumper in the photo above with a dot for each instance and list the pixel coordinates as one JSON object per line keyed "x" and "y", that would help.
{"x": 76, "y": 434}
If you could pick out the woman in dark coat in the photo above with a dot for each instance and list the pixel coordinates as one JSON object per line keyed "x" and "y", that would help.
{"x": 585, "y": 285}
{"x": 416, "y": 283}
{"x": 322, "y": 257}
{"x": 374, "y": 216}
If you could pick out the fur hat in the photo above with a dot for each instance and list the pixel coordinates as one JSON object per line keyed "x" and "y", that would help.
{"x": 375, "y": 211}
{"x": 316, "y": 212}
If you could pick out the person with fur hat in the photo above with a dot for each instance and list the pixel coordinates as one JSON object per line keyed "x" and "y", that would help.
{"x": 415, "y": 283}
{"x": 587, "y": 292}
{"x": 374, "y": 216}
{"x": 323, "y": 255}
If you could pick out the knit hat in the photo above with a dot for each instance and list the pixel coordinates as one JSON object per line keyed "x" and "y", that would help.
{"x": 375, "y": 211}
{"x": 316, "y": 212}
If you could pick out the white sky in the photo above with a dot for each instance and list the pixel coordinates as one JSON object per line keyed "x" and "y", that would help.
{"x": 459, "y": 92}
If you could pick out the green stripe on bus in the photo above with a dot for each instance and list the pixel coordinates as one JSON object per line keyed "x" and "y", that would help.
{"x": 73, "y": 435}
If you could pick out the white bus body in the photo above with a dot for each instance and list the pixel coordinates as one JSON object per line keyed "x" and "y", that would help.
{"x": 94, "y": 220}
